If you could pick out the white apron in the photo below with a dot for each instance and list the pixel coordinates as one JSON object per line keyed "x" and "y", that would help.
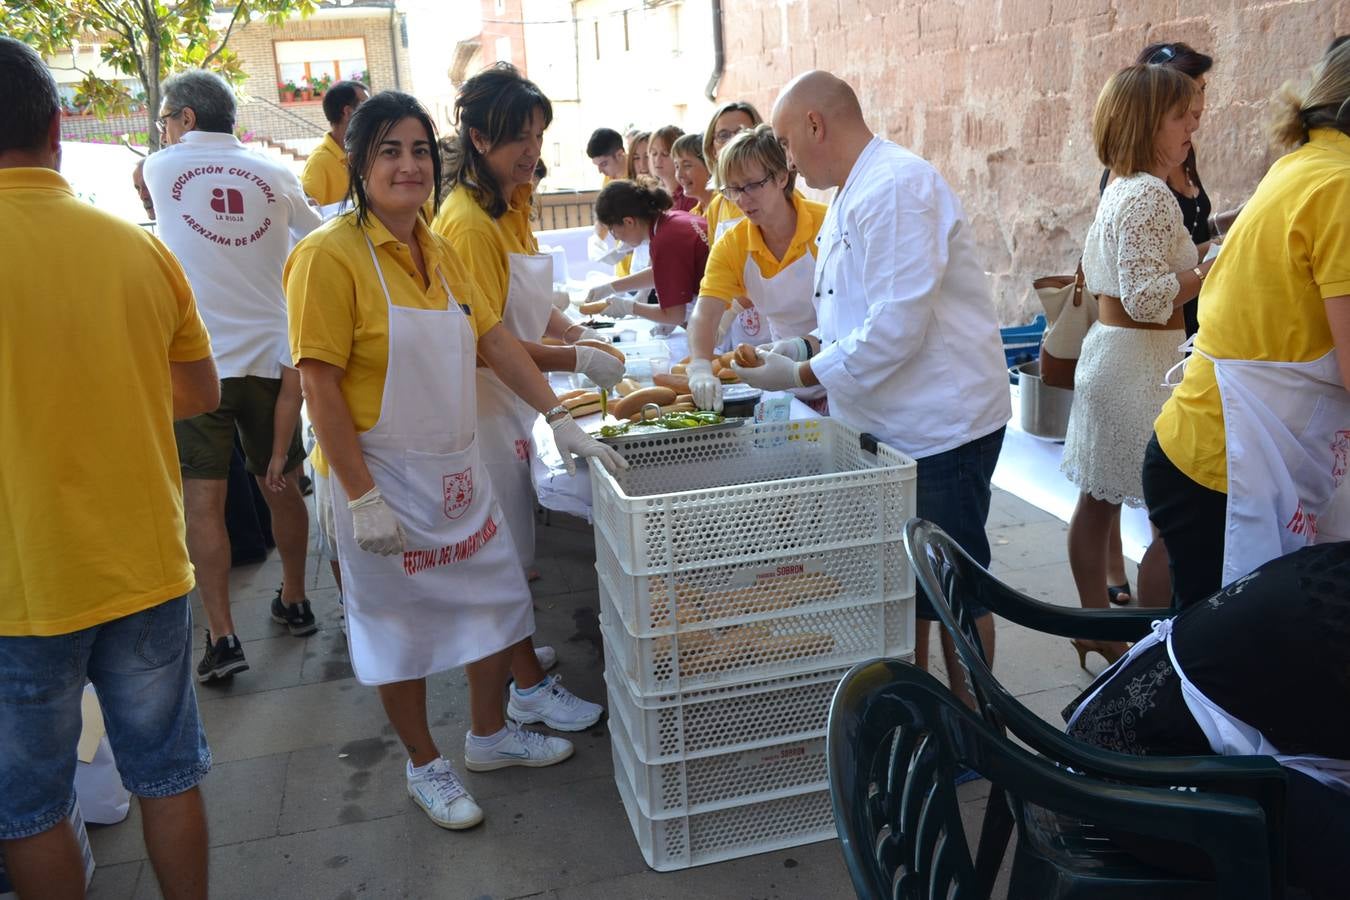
{"x": 725, "y": 225}
{"x": 504, "y": 420}
{"x": 1287, "y": 429}
{"x": 785, "y": 303}
{"x": 456, "y": 594}
{"x": 1227, "y": 734}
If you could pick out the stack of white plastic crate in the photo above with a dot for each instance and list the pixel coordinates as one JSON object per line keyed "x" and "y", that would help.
{"x": 742, "y": 571}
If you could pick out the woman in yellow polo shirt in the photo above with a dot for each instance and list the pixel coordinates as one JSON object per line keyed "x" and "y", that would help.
{"x": 729, "y": 120}
{"x": 1252, "y": 443}
{"x": 385, "y": 326}
{"x": 769, "y": 257}
{"x": 486, "y": 218}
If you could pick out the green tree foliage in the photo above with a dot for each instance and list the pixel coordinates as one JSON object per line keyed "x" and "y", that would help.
{"x": 144, "y": 39}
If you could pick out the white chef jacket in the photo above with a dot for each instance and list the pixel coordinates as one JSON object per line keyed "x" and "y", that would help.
{"x": 910, "y": 344}
{"x": 230, "y": 216}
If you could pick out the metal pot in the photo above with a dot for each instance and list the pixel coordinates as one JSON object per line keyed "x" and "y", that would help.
{"x": 1045, "y": 409}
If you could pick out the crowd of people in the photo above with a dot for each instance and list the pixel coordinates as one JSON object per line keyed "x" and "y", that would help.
{"x": 418, "y": 321}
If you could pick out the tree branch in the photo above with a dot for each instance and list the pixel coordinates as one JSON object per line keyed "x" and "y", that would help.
{"x": 238, "y": 8}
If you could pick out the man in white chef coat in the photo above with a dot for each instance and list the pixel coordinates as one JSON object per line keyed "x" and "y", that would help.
{"x": 907, "y": 343}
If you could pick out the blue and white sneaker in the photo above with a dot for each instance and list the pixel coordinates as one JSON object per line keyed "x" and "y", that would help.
{"x": 554, "y": 705}
{"x": 440, "y": 793}
{"x": 516, "y": 747}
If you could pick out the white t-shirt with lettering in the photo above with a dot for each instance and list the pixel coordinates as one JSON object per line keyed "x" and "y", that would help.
{"x": 231, "y": 216}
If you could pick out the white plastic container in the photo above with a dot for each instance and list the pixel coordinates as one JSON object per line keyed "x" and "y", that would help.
{"x": 672, "y": 727}
{"x": 696, "y": 659}
{"x": 722, "y": 831}
{"x": 698, "y": 782}
{"x": 728, "y": 497}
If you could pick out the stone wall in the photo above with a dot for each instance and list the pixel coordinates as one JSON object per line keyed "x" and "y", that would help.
{"x": 998, "y": 94}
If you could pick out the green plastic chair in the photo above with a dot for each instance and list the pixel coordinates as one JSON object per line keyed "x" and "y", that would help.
{"x": 896, "y": 739}
{"x": 953, "y": 580}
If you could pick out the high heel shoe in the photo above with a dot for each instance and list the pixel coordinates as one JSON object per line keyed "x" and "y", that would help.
{"x": 1115, "y": 591}
{"x": 1109, "y": 652}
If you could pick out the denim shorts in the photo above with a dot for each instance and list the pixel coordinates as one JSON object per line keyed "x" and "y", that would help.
{"x": 141, "y": 666}
{"x": 953, "y": 492}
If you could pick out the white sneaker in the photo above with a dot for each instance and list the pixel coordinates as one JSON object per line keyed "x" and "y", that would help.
{"x": 517, "y": 747}
{"x": 547, "y": 656}
{"x": 555, "y": 706}
{"x": 442, "y": 796}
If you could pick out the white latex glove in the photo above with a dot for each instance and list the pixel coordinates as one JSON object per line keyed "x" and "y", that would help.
{"x": 793, "y": 348}
{"x": 571, "y": 439}
{"x": 724, "y": 324}
{"x": 601, "y": 367}
{"x": 596, "y": 246}
{"x": 703, "y": 384}
{"x": 561, "y": 299}
{"x": 581, "y": 333}
{"x": 619, "y": 307}
{"x": 599, "y": 292}
{"x": 777, "y": 372}
{"x": 374, "y": 526}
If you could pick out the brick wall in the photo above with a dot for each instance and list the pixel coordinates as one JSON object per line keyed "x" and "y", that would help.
{"x": 998, "y": 94}
{"x": 270, "y": 118}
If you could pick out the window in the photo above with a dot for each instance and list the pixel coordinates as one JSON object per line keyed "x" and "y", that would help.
{"x": 338, "y": 59}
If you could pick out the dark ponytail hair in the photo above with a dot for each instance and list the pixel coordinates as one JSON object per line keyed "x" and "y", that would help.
{"x": 369, "y": 124}
{"x": 620, "y": 199}
{"x": 497, "y": 103}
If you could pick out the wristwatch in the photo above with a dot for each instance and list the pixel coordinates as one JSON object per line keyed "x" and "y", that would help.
{"x": 1199, "y": 273}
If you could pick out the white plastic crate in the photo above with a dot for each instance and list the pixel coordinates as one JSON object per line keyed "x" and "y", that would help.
{"x": 699, "y": 782}
{"x": 745, "y": 495}
{"x": 755, "y": 590}
{"x": 694, "y": 659}
{"x": 721, "y": 720}
{"x": 731, "y": 830}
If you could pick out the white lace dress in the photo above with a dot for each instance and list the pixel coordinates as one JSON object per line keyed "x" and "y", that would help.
{"x": 1134, "y": 246}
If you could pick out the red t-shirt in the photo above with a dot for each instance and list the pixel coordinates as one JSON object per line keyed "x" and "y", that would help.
{"x": 679, "y": 251}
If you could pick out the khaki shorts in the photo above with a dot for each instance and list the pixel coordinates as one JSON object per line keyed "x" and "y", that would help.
{"x": 247, "y": 405}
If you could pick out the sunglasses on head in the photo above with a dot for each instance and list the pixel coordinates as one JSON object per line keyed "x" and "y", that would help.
{"x": 1163, "y": 54}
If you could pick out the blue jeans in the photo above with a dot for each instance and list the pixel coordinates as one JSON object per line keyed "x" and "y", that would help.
{"x": 141, "y": 666}
{"x": 953, "y": 492}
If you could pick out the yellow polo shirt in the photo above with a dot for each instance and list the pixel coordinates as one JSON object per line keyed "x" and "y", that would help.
{"x": 91, "y": 503}
{"x": 720, "y": 209}
{"x": 337, "y": 312}
{"x": 1264, "y": 297}
{"x": 724, "y": 276}
{"x": 325, "y": 175}
{"x": 482, "y": 244}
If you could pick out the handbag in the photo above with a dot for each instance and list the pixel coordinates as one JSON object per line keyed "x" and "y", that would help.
{"x": 1070, "y": 309}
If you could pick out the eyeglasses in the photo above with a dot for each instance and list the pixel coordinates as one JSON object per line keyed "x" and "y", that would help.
{"x": 161, "y": 122}
{"x": 1163, "y": 54}
{"x": 721, "y": 137}
{"x": 735, "y": 193}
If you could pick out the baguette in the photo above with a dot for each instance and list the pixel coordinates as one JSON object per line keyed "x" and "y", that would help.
{"x": 594, "y": 307}
{"x": 628, "y": 406}
{"x": 677, "y": 383}
{"x": 569, "y": 395}
{"x": 585, "y": 409}
{"x": 601, "y": 345}
{"x": 747, "y": 356}
{"x": 719, "y": 650}
{"x": 583, "y": 399}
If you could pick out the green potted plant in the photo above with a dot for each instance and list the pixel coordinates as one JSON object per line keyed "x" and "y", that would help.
{"x": 321, "y": 84}
{"x": 306, "y": 92}
{"x": 287, "y": 90}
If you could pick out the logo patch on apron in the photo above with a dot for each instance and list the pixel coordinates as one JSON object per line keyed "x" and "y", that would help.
{"x": 750, "y": 321}
{"x": 458, "y": 490}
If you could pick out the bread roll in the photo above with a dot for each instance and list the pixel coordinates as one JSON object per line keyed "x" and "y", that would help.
{"x": 627, "y": 386}
{"x": 684, "y": 398}
{"x": 677, "y": 383}
{"x": 678, "y": 369}
{"x": 601, "y": 345}
{"x": 747, "y": 356}
{"x": 726, "y": 358}
{"x": 585, "y": 398}
{"x": 595, "y": 307}
{"x": 629, "y": 406}
{"x": 569, "y": 395}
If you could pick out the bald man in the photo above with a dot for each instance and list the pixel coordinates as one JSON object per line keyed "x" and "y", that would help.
{"x": 907, "y": 344}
